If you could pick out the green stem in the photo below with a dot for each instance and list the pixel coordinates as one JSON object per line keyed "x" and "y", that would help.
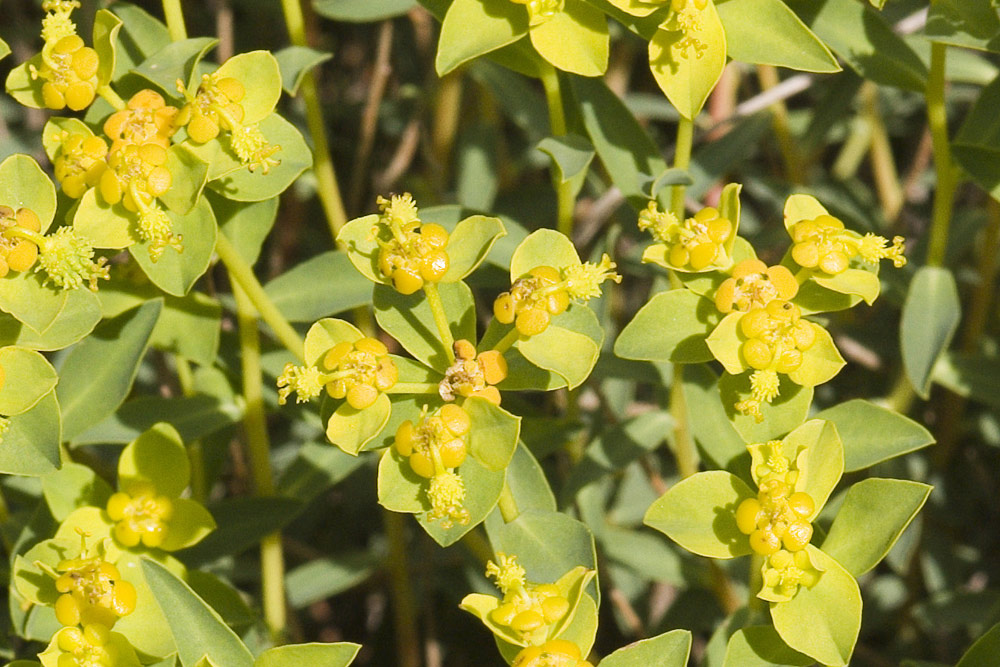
{"x": 404, "y": 606}
{"x": 756, "y": 582}
{"x": 684, "y": 450}
{"x": 242, "y": 274}
{"x": 272, "y": 562}
{"x": 196, "y": 454}
{"x": 509, "y": 339}
{"x": 174, "y": 14}
{"x": 326, "y": 178}
{"x": 944, "y": 194}
{"x": 682, "y": 160}
{"x": 565, "y": 199}
{"x": 111, "y": 97}
{"x": 508, "y": 506}
{"x": 440, "y": 319}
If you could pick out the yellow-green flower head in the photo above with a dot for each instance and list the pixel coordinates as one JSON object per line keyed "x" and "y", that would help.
{"x": 436, "y": 443}
{"x": 253, "y": 148}
{"x": 94, "y": 645}
{"x": 214, "y": 107}
{"x": 142, "y": 515}
{"x": 57, "y": 23}
{"x": 823, "y": 244}
{"x": 784, "y": 572}
{"x": 410, "y": 253}
{"x": 146, "y": 119}
{"x": 447, "y": 496}
{"x": 528, "y": 609}
{"x": 754, "y": 284}
{"x": 583, "y": 281}
{"x": 92, "y": 590}
{"x": 68, "y": 261}
{"x": 358, "y": 371}
{"x": 696, "y": 244}
{"x": 69, "y": 73}
{"x": 540, "y": 11}
{"x": 473, "y": 374}
{"x": 80, "y": 162}
{"x": 553, "y": 653}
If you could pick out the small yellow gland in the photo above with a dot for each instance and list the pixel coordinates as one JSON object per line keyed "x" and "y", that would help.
{"x": 19, "y": 239}
{"x": 754, "y": 284}
{"x": 92, "y": 592}
{"x": 143, "y": 517}
{"x": 79, "y": 163}
{"x": 553, "y": 653}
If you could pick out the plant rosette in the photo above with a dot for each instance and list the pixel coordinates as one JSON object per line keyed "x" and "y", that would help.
{"x": 528, "y": 614}
{"x": 570, "y": 35}
{"x": 715, "y": 514}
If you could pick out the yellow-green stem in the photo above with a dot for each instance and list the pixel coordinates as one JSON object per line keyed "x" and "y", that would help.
{"x": 111, "y": 97}
{"x": 440, "y": 319}
{"x": 326, "y": 178}
{"x": 196, "y": 455}
{"x": 944, "y": 193}
{"x": 404, "y": 606}
{"x": 756, "y": 582}
{"x": 272, "y": 562}
{"x": 509, "y": 339}
{"x": 682, "y": 160}
{"x": 768, "y": 77}
{"x": 684, "y": 450}
{"x": 508, "y": 506}
{"x": 174, "y": 14}
{"x": 242, "y": 274}
{"x": 565, "y": 200}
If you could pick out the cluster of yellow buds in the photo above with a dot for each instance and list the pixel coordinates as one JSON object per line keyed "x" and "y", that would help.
{"x": 540, "y": 11}
{"x": 140, "y": 516}
{"x": 17, "y": 253}
{"x": 686, "y": 18}
{"x": 779, "y": 516}
{"x": 216, "y": 106}
{"x": 553, "y": 653}
{"x": 435, "y": 446}
{"x": 696, "y": 244}
{"x": 146, "y": 119}
{"x": 69, "y": 67}
{"x": 754, "y": 284}
{"x": 824, "y": 244}
{"x": 776, "y": 336}
{"x": 67, "y": 259}
{"x": 528, "y": 609}
{"x": 415, "y": 253}
{"x": 93, "y": 646}
{"x": 473, "y": 374}
{"x": 357, "y": 371}
{"x": 92, "y": 592}
{"x": 546, "y": 291}
{"x": 136, "y": 176}
{"x": 785, "y": 571}
{"x": 80, "y": 162}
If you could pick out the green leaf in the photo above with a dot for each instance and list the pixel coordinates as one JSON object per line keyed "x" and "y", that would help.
{"x": 23, "y": 87}
{"x": 326, "y": 333}
{"x": 865, "y": 40}
{"x": 31, "y": 443}
{"x": 4, "y": 49}
{"x": 261, "y": 77}
{"x": 625, "y": 149}
{"x": 176, "y": 60}
{"x": 320, "y": 578}
{"x": 295, "y": 62}
{"x": 671, "y": 649}
{"x": 977, "y": 144}
{"x": 783, "y": 414}
{"x": 833, "y": 610}
{"x": 543, "y": 247}
{"x": 177, "y": 272}
{"x": 761, "y": 646}
{"x": 229, "y": 177}
{"x": 246, "y": 224}
{"x": 793, "y": 45}
{"x": 574, "y": 39}
{"x": 106, "y": 27}
{"x": 494, "y": 433}
{"x": 190, "y": 173}
{"x": 819, "y": 455}
{"x": 351, "y": 429}
{"x": 362, "y": 11}
{"x": 157, "y": 458}
{"x": 27, "y": 377}
{"x": 672, "y": 326}
{"x": 873, "y": 516}
{"x": 23, "y": 184}
{"x": 193, "y": 417}
{"x": 570, "y": 153}
{"x": 472, "y": 28}
{"x": 726, "y": 341}
{"x": 857, "y": 282}
{"x": 872, "y": 434}
{"x": 930, "y": 317}
{"x": 189, "y": 525}
{"x": 103, "y": 225}
{"x": 528, "y": 483}
{"x": 699, "y": 513}
{"x": 71, "y": 487}
{"x": 968, "y": 23}
{"x": 294, "y": 294}
{"x": 969, "y": 375}
{"x": 197, "y": 628}
{"x": 409, "y": 320}
{"x": 547, "y": 545}
{"x": 79, "y": 313}
{"x": 340, "y": 654}
{"x": 685, "y": 73}
{"x": 242, "y": 523}
{"x": 469, "y": 244}
{"x": 358, "y": 237}
{"x": 713, "y": 431}
{"x": 983, "y": 653}
{"x": 569, "y": 346}
{"x": 140, "y": 37}
{"x": 97, "y": 374}
{"x": 820, "y": 363}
